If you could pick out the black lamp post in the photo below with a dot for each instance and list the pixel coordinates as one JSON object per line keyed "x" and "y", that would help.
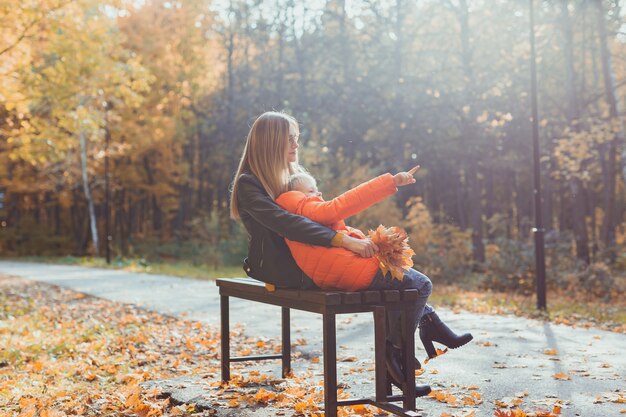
{"x": 107, "y": 214}
{"x": 540, "y": 263}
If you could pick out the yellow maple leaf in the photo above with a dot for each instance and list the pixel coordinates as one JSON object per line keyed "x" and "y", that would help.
{"x": 439, "y": 353}
{"x": 394, "y": 253}
{"x": 264, "y": 396}
{"x": 360, "y": 409}
{"x": 561, "y": 376}
{"x": 48, "y": 412}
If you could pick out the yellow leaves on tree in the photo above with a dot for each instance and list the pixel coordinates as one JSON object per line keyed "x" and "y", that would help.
{"x": 577, "y": 152}
{"x": 444, "y": 248}
{"x": 75, "y": 63}
{"x": 394, "y": 252}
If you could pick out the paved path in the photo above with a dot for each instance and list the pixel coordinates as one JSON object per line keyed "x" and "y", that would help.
{"x": 506, "y": 358}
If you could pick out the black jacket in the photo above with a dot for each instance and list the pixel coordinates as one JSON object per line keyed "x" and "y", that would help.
{"x": 269, "y": 259}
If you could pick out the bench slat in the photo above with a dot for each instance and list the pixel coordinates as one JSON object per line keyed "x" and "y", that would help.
{"x": 371, "y": 297}
{"x": 391, "y": 295}
{"x": 312, "y": 300}
{"x": 351, "y": 297}
{"x": 410, "y": 295}
{"x": 256, "y": 287}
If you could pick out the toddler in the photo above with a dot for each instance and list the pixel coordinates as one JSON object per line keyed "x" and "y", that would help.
{"x": 337, "y": 268}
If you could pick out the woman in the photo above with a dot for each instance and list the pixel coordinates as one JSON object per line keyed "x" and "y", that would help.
{"x": 269, "y": 157}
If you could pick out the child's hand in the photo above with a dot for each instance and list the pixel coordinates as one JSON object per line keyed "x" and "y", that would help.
{"x": 405, "y": 178}
{"x": 365, "y": 248}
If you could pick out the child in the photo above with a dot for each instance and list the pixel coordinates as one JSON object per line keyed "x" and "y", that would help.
{"x": 337, "y": 268}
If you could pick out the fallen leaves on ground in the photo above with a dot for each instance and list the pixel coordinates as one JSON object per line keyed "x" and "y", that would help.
{"x": 65, "y": 353}
{"x": 512, "y": 406}
{"x": 509, "y": 402}
{"x": 460, "y": 413}
{"x": 617, "y": 396}
{"x": 439, "y": 353}
{"x": 456, "y": 399}
{"x": 510, "y": 413}
{"x": 521, "y": 413}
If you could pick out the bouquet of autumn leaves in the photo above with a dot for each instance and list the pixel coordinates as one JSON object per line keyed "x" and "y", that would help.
{"x": 394, "y": 253}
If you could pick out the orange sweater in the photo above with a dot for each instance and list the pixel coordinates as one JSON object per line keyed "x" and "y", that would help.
{"x": 337, "y": 268}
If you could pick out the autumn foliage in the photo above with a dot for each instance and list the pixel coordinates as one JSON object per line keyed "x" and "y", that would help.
{"x": 165, "y": 92}
{"x": 394, "y": 252}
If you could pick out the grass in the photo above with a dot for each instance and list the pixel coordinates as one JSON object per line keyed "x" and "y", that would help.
{"x": 563, "y": 308}
{"x": 178, "y": 268}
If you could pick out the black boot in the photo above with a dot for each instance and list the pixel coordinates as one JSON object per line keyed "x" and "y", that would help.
{"x": 393, "y": 360}
{"x": 432, "y": 329}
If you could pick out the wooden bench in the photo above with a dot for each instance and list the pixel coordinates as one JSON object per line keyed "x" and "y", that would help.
{"x": 329, "y": 304}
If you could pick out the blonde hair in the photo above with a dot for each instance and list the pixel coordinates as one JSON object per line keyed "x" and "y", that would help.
{"x": 300, "y": 178}
{"x": 266, "y": 156}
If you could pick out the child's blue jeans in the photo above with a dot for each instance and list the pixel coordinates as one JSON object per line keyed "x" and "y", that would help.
{"x": 412, "y": 280}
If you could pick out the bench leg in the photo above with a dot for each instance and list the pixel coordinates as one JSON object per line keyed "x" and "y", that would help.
{"x": 286, "y": 342}
{"x": 225, "y": 338}
{"x": 408, "y": 327}
{"x": 380, "y": 347}
{"x": 330, "y": 366}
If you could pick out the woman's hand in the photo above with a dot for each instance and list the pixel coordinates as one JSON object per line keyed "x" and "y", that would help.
{"x": 405, "y": 178}
{"x": 362, "y": 247}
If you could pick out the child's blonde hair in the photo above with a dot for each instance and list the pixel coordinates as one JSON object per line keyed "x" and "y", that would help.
{"x": 299, "y": 178}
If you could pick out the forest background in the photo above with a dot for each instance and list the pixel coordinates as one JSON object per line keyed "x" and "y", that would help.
{"x": 156, "y": 97}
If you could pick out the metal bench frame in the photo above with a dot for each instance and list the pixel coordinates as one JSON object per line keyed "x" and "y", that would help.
{"x": 329, "y": 304}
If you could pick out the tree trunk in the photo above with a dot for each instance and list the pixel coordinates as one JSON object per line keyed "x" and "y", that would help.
{"x": 301, "y": 59}
{"x": 157, "y": 218}
{"x": 476, "y": 221}
{"x": 78, "y": 221}
{"x": 579, "y": 208}
{"x": 121, "y": 222}
{"x": 460, "y": 197}
{"x": 92, "y": 212}
{"x": 610, "y": 89}
{"x": 577, "y": 187}
{"x": 510, "y": 187}
{"x": 469, "y": 131}
{"x": 230, "y": 47}
{"x": 279, "y": 69}
{"x": 489, "y": 198}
